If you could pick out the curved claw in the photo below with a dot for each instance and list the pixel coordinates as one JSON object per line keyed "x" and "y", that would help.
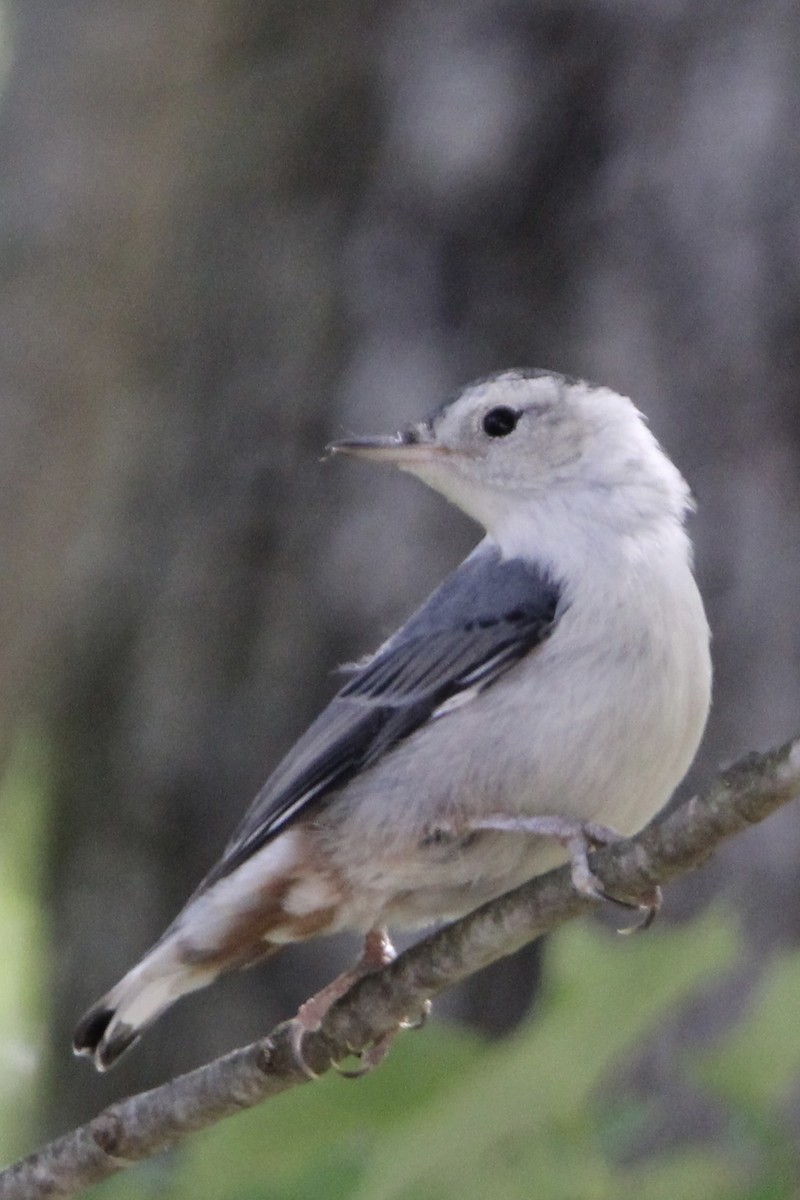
{"x": 586, "y": 882}
{"x": 297, "y": 1031}
{"x": 420, "y": 1021}
{"x": 650, "y": 910}
{"x": 370, "y": 1058}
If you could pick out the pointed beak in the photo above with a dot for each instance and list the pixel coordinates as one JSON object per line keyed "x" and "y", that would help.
{"x": 409, "y": 447}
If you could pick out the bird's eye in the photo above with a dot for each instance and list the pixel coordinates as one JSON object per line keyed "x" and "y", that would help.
{"x": 500, "y": 422}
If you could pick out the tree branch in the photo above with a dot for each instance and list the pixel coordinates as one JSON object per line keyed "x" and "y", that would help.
{"x": 144, "y": 1125}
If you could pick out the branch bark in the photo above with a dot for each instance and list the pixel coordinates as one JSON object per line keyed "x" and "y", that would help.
{"x": 144, "y": 1125}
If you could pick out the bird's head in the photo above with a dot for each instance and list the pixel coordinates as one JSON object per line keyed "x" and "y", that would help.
{"x": 524, "y": 440}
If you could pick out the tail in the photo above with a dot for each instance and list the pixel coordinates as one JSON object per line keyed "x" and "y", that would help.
{"x": 224, "y": 925}
{"x": 119, "y": 1019}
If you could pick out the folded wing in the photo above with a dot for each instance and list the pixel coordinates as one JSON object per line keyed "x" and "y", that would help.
{"x": 485, "y": 617}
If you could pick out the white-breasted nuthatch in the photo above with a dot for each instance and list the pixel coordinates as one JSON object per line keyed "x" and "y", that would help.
{"x": 556, "y": 683}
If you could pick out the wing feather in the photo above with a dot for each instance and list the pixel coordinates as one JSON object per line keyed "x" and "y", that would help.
{"x": 485, "y": 617}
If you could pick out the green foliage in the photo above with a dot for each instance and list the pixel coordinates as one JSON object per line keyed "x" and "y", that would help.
{"x": 756, "y": 1073}
{"x": 761, "y": 1062}
{"x": 22, "y": 808}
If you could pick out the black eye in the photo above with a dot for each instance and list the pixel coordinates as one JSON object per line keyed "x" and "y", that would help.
{"x": 500, "y": 422}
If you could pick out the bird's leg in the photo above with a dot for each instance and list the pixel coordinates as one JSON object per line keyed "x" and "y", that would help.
{"x": 378, "y": 952}
{"x": 577, "y": 838}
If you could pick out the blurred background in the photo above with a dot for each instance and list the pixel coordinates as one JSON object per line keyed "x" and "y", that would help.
{"x": 232, "y": 231}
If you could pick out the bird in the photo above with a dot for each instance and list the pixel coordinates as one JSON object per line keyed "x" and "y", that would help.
{"x": 548, "y": 696}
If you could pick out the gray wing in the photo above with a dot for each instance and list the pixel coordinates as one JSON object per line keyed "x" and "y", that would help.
{"x": 485, "y": 617}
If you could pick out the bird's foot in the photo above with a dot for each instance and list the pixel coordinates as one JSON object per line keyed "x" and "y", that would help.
{"x": 374, "y": 1055}
{"x": 378, "y": 952}
{"x": 578, "y": 838}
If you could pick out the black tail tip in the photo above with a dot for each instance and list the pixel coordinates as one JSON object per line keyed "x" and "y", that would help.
{"x": 90, "y": 1038}
{"x": 90, "y": 1030}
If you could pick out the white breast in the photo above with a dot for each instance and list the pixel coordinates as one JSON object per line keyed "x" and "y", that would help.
{"x": 599, "y": 723}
